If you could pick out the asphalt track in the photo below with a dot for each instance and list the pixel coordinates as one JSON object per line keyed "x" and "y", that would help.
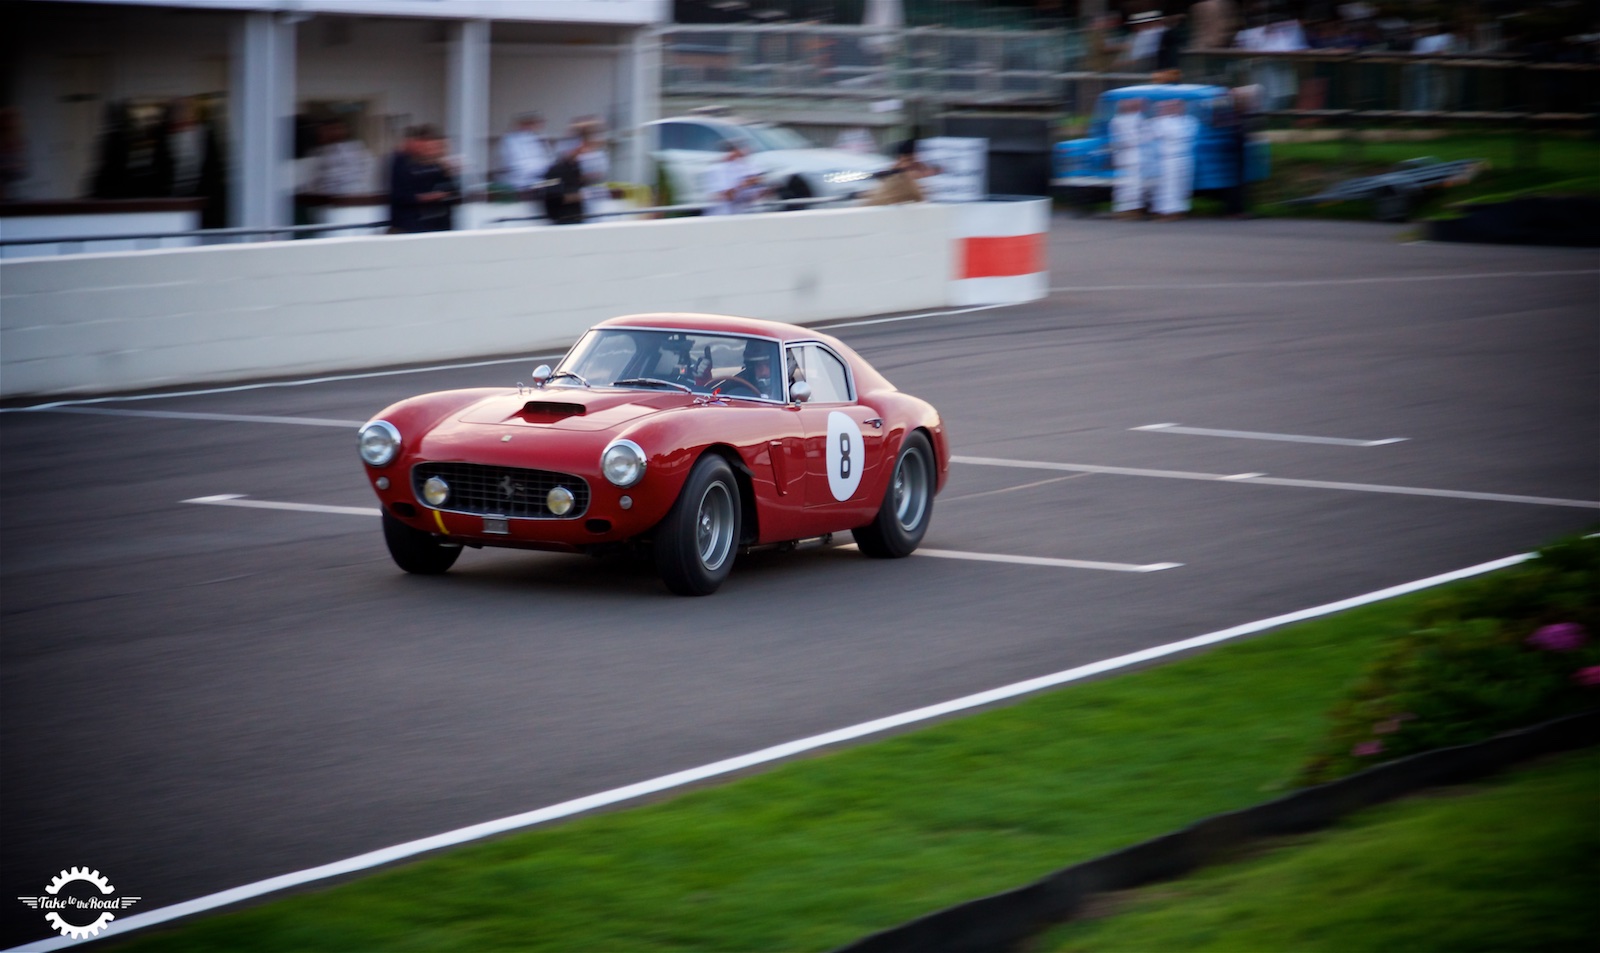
{"x": 195, "y": 696}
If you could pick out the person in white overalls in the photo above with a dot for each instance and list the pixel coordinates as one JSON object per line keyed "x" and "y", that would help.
{"x": 1127, "y": 159}
{"x": 1173, "y": 132}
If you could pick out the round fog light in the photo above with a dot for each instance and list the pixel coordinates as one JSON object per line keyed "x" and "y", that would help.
{"x": 383, "y": 483}
{"x": 626, "y": 502}
{"x": 435, "y": 491}
{"x": 559, "y": 501}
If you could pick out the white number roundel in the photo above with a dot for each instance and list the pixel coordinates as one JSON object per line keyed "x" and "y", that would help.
{"x": 846, "y": 455}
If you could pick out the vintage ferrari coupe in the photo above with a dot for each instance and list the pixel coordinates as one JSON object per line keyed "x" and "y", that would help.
{"x": 692, "y": 435}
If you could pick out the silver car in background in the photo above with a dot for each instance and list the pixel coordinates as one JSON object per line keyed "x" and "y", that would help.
{"x": 684, "y": 147}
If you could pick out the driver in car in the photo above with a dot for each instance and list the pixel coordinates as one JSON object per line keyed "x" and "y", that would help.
{"x": 757, "y": 368}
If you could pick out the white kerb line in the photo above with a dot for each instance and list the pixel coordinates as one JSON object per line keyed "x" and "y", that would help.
{"x": 1263, "y": 479}
{"x": 678, "y": 779}
{"x": 1254, "y": 435}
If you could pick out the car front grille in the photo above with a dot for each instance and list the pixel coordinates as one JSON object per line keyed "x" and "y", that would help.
{"x": 501, "y": 491}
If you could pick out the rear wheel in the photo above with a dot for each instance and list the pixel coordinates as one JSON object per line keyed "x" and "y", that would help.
{"x": 907, "y": 504}
{"x": 416, "y": 551}
{"x": 694, "y": 547}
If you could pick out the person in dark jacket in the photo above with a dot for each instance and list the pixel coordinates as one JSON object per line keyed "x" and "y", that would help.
{"x": 563, "y": 197}
{"x": 422, "y": 187}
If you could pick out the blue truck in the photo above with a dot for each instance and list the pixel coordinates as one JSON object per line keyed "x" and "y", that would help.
{"x": 1081, "y": 169}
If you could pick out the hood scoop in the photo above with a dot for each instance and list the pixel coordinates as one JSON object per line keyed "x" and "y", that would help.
{"x": 549, "y": 411}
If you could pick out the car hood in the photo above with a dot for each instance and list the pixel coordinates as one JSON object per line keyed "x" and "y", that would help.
{"x": 570, "y": 408}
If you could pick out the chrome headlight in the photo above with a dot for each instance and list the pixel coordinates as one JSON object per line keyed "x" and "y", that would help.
{"x": 622, "y": 463}
{"x": 379, "y": 442}
{"x": 559, "y": 501}
{"x": 435, "y": 491}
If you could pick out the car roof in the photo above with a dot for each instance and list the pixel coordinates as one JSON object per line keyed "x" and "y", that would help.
{"x": 717, "y": 323}
{"x": 1165, "y": 91}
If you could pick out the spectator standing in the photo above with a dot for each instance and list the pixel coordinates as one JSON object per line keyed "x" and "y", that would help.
{"x": 900, "y": 183}
{"x": 1213, "y": 24}
{"x": 340, "y": 165}
{"x": 1168, "y": 48}
{"x": 593, "y": 161}
{"x": 732, "y": 183}
{"x": 526, "y": 156}
{"x": 1106, "y": 43}
{"x": 422, "y": 188}
{"x": 563, "y": 191}
{"x": 1173, "y": 132}
{"x": 188, "y": 163}
{"x": 1426, "y": 82}
{"x": 1127, "y": 158}
{"x": 1145, "y": 43}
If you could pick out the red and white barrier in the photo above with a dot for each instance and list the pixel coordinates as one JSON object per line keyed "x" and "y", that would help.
{"x": 1001, "y": 251}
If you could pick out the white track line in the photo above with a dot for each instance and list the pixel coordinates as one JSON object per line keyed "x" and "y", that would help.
{"x": 1314, "y": 282}
{"x": 195, "y": 415}
{"x": 1277, "y": 481}
{"x": 716, "y": 769}
{"x": 239, "y": 500}
{"x": 1253, "y": 435}
{"x": 1037, "y": 560}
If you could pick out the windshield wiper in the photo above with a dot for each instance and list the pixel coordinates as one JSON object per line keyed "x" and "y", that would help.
{"x": 572, "y": 374}
{"x": 650, "y": 380}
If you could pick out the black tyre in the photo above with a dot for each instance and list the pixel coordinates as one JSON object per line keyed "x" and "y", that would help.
{"x": 416, "y": 551}
{"x": 696, "y": 543}
{"x": 907, "y": 504}
{"x": 794, "y": 188}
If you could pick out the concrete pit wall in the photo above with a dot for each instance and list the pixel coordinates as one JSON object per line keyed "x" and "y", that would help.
{"x": 109, "y": 323}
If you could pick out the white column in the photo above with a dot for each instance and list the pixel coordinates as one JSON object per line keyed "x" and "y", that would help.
{"x": 467, "y": 104}
{"x": 643, "y": 102}
{"x": 262, "y": 110}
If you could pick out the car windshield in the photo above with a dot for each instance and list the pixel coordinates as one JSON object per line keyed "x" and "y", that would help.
{"x": 779, "y": 137}
{"x": 654, "y": 359}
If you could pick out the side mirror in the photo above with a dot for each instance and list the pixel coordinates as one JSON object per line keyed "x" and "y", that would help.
{"x": 799, "y": 392}
{"x": 541, "y": 374}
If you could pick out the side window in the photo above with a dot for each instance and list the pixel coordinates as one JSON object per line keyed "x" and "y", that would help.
{"x": 675, "y": 135}
{"x": 824, "y": 371}
{"x": 701, "y": 138}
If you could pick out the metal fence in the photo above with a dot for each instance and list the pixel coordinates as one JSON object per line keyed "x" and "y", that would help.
{"x": 1046, "y": 70}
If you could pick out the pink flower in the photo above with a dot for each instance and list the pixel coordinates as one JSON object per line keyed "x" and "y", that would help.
{"x": 1560, "y": 637}
{"x": 1367, "y": 748}
{"x": 1587, "y": 677}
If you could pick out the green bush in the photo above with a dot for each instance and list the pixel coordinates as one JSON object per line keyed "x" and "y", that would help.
{"x": 1499, "y": 653}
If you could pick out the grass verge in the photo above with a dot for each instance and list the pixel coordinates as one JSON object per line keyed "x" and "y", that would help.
{"x": 1509, "y": 864}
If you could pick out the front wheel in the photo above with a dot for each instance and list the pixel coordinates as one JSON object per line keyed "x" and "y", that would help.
{"x": 694, "y": 547}
{"x": 416, "y": 551}
{"x": 907, "y": 507}
{"x": 795, "y": 188}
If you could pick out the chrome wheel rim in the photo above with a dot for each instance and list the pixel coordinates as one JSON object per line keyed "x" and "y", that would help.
{"x": 714, "y": 526}
{"x": 910, "y": 490}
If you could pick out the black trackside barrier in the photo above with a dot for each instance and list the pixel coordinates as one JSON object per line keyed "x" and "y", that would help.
{"x": 1005, "y": 920}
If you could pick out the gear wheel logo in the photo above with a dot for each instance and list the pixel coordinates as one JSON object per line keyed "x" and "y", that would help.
{"x": 80, "y": 908}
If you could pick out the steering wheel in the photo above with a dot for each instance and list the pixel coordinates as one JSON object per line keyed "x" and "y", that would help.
{"x": 754, "y": 390}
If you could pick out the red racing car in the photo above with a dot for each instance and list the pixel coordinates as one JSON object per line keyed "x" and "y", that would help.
{"x": 694, "y": 435}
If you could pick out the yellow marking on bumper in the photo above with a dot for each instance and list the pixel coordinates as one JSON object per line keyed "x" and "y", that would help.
{"x": 439, "y": 518}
